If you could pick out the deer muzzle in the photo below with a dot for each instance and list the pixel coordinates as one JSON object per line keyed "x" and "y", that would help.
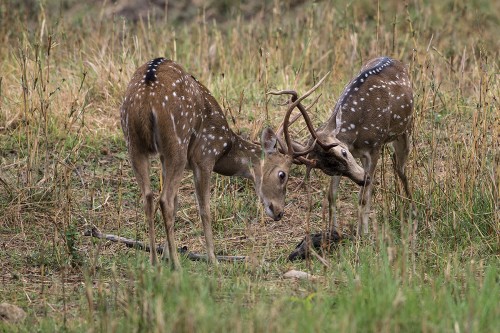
{"x": 274, "y": 211}
{"x": 366, "y": 180}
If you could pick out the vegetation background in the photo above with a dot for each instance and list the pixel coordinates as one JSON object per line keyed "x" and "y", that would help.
{"x": 64, "y": 68}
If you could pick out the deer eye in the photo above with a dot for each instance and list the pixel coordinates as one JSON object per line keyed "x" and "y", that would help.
{"x": 344, "y": 153}
{"x": 281, "y": 175}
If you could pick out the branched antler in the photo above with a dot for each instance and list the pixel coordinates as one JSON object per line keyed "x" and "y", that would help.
{"x": 296, "y": 102}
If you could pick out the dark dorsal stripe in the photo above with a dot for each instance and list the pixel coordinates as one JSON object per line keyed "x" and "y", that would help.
{"x": 151, "y": 72}
{"x": 361, "y": 78}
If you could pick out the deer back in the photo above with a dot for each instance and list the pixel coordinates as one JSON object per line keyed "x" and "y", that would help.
{"x": 374, "y": 108}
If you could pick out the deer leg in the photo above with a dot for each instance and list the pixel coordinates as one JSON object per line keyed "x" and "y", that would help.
{"x": 166, "y": 251}
{"x": 140, "y": 165}
{"x": 172, "y": 177}
{"x": 332, "y": 204}
{"x": 401, "y": 150}
{"x": 365, "y": 193}
{"x": 202, "y": 186}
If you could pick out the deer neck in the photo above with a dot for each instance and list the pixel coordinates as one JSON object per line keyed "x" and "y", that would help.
{"x": 332, "y": 128}
{"x": 242, "y": 159}
{"x": 333, "y": 123}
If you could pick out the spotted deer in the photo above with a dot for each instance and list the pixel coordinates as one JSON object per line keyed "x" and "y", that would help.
{"x": 166, "y": 111}
{"x": 374, "y": 109}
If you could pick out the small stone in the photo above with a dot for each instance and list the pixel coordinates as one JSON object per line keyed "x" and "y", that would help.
{"x": 294, "y": 274}
{"x": 11, "y": 313}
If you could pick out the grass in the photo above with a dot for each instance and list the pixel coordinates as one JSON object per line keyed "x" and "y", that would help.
{"x": 63, "y": 165}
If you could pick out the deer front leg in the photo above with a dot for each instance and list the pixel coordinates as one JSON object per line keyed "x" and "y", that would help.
{"x": 365, "y": 193}
{"x": 365, "y": 196}
{"x": 202, "y": 185}
{"x": 332, "y": 204}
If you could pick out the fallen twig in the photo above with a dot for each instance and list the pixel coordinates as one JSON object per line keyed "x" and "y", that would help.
{"x": 94, "y": 232}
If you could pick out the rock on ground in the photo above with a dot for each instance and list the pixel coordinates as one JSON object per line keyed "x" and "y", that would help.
{"x": 11, "y": 313}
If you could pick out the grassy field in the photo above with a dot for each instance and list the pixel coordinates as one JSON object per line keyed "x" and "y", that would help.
{"x": 63, "y": 166}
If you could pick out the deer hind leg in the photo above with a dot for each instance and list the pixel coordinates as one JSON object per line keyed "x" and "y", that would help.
{"x": 172, "y": 177}
{"x": 141, "y": 165}
{"x": 202, "y": 184}
{"x": 365, "y": 193}
{"x": 166, "y": 251}
{"x": 332, "y": 204}
{"x": 401, "y": 150}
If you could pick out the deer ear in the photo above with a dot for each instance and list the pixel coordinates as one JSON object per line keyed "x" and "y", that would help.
{"x": 268, "y": 141}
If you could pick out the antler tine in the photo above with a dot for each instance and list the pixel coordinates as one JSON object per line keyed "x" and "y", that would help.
{"x": 294, "y": 98}
{"x": 306, "y": 161}
{"x": 313, "y": 103}
{"x": 306, "y": 151}
{"x": 283, "y": 92}
{"x": 303, "y": 110}
{"x": 286, "y": 125}
{"x": 282, "y": 145}
{"x": 279, "y": 132}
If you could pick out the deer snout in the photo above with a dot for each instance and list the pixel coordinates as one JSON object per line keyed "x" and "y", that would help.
{"x": 363, "y": 181}
{"x": 273, "y": 212}
{"x": 366, "y": 180}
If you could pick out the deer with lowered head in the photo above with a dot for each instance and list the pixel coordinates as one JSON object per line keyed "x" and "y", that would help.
{"x": 374, "y": 109}
{"x": 166, "y": 111}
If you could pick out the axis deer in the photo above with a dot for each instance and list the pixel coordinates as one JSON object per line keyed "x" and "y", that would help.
{"x": 166, "y": 111}
{"x": 374, "y": 109}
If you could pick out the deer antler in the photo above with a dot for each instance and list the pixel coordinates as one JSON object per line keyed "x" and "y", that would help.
{"x": 296, "y": 102}
{"x": 279, "y": 132}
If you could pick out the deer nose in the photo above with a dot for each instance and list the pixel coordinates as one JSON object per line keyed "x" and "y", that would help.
{"x": 278, "y": 216}
{"x": 367, "y": 179}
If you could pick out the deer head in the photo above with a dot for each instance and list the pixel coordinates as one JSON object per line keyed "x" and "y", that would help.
{"x": 323, "y": 151}
{"x": 272, "y": 176}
